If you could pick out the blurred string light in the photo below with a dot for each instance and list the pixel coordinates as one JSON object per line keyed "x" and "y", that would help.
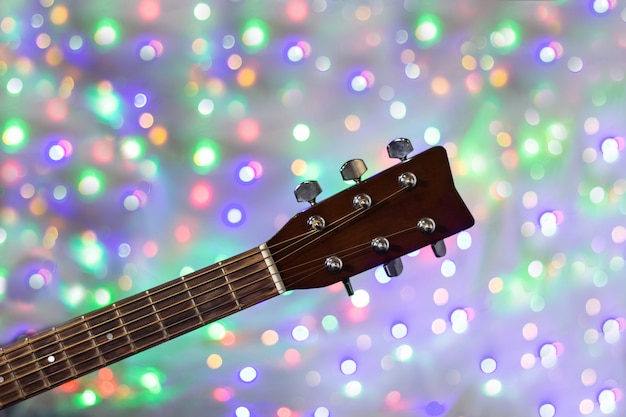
{"x": 603, "y": 6}
{"x": 107, "y": 33}
{"x": 353, "y": 389}
{"x": 506, "y": 37}
{"x": 14, "y": 86}
{"x": 301, "y": 132}
{"x": 149, "y": 10}
{"x": 361, "y": 81}
{"x": 234, "y": 215}
{"x": 202, "y": 11}
{"x": 151, "y": 50}
{"x": 248, "y": 374}
{"x": 88, "y": 252}
{"x": 105, "y": 102}
{"x": 250, "y": 171}
{"x": 151, "y": 380}
{"x": 255, "y": 35}
{"x": 550, "y": 52}
{"x": 14, "y": 135}
{"x": 91, "y": 183}
{"x": 492, "y": 387}
{"x": 298, "y": 51}
{"x": 547, "y": 410}
{"x": 132, "y": 147}
{"x": 87, "y": 398}
{"x": 428, "y": 29}
{"x": 201, "y": 195}
{"x": 206, "y": 156}
{"x": 300, "y": 333}
{"x": 60, "y": 150}
{"x": 3, "y": 272}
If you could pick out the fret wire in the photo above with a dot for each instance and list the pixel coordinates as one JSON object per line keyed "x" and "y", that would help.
{"x": 64, "y": 350}
{"x": 35, "y": 361}
{"x": 191, "y": 297}
{"x": 344, "y": 220}
{"x": 313, "y": 271}
{"x": 156, "y": 312}
{"x": 12, "y": 372}
{"x": 181, "y": 321}
{"x": 123, "y": 326}
{"x": 173, "y": 283}
{"x": 220, "y": 265}
{"x": 91, "y": 338}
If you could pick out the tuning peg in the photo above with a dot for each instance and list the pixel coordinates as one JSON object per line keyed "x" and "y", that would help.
{"x": 307, "y": 191}
{"x": 393, "y": 268}
{"x": 439, "y": 248}
{"x": 348, "y": 285}
{"x": 399, "y": 148}
{"x": 353, "y": 170}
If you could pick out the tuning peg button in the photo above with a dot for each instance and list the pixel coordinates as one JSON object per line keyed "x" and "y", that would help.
{"x": 399, "y": 148}
{"x": 348, "y": 285}
{"x": 307, "y": 191}
{"x": 439, "y": 248}
{"x": 393, "y": 268}
{"x": 426, "y": 225}
{"x": 353, "y": 170}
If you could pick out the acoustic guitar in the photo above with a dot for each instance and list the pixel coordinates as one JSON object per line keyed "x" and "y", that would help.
{"x": 374, "y": 222}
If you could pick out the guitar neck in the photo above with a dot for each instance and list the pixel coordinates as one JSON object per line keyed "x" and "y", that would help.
{"x": 90, "y": 342}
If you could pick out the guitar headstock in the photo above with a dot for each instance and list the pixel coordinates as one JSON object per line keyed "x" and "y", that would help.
{"x": 406, "y": 207}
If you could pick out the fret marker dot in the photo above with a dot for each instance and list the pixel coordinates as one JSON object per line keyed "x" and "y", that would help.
{"x": 51, "y": 358}
{"x": 1, "y": 379}
{"x": 109, "y": 336}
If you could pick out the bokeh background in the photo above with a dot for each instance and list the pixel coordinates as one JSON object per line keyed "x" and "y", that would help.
{"x": 143, "y": 139}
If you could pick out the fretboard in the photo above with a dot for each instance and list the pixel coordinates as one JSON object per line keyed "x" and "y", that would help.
{"x": 90, "y": 342}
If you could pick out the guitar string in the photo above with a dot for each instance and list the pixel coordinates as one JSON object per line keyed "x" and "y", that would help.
{"x": 338, "y": 223}
{"x": 148, "y": 296}
{"x": 143, "y": 296}
{"x": 100, "y": 365}
{"x": 67, "y": 358}
{"x": 197, "y": 274}
{"x": 354, "y": 214}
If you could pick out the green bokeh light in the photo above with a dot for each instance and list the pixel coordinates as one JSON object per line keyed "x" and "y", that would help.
{"x": 103, "y": 297}
{"x": 105, "y": 103}
{"x": 90, "y": 254}
{"x": 216, "y": 331}
{"x": 3, "y": 283}
{"x": 330, "y": 323}
{"x": 255, "y": 35}
{"x": 492, "y": 388}
{"x": 428, "y": 29}
{"x": 87, "y": 398}
{"x": 133, "y": 147}
{"x": 206, "y": 156}
{"x": 506, "y": 37}
{"x": 151, "y": 381}
{"x": 91, "y": 183}
{"x": 14, "y": 135}
{"x": 107, "y": 33}
{"x": 403, "y": 353}
{"x": 73, "y": 296}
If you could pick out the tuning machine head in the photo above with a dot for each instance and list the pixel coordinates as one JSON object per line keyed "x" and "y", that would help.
{"x": 353, "y": 170}
{"x": 399, "y": 148}
{"x": 307, "y": 191}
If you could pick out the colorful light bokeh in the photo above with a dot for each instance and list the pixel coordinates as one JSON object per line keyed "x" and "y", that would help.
{"x": 143, "y": 140}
